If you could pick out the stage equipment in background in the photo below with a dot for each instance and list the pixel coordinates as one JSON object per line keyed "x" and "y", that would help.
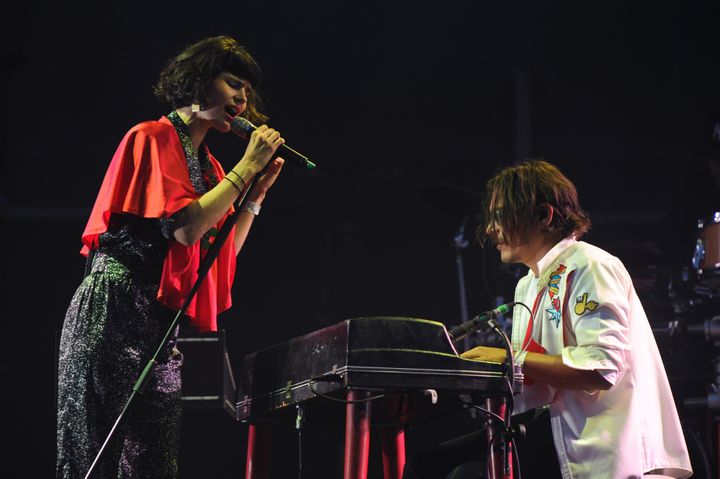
{"x": 706, "y": 257}
{"x": 460, "y": 244}
{"x": 207, "y": 377}
{"x": 694, "y": 319}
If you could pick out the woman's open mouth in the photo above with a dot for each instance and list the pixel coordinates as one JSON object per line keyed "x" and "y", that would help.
{"x": 231, "y": 111}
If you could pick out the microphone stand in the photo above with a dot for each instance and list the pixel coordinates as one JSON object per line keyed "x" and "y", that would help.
{"x": 502, "y": 467}
{"x": 203, "y": 269}
{"x": 460, "y": 244}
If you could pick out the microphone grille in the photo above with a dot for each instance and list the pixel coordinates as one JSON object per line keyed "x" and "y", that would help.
{"x": 242, "y": 127}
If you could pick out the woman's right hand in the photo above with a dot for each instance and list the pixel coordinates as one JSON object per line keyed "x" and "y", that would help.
{"x": 263, "y": 143}
{"x": 204, "y": 213}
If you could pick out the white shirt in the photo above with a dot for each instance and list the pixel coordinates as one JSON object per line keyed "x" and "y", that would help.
{"x": 586, "y": 309}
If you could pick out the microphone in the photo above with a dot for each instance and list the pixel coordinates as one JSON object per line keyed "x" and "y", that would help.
{"x": 243, "y": 127}
{"x": 458, "y": 332}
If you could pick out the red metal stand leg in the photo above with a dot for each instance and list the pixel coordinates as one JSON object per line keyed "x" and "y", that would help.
{"x": 393, "y": 452}
{"x": 500, "y": 457}
{"x": 357, "y": 435}
{"x": 257, "y": 465}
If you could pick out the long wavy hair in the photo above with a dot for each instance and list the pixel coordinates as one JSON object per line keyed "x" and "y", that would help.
{"x": 187, "y": 78}
{"x": 517, "y": 196}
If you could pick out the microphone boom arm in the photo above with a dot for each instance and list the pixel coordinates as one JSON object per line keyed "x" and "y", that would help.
{"x": 459, "y": 332}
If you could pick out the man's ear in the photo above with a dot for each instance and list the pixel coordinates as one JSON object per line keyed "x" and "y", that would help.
{"x": 545, "y": 214}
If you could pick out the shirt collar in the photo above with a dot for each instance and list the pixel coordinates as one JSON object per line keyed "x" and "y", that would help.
{"x": 554, "y": 253}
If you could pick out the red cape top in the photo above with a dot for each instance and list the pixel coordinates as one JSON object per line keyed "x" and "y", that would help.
{"x": 148, "y": 177}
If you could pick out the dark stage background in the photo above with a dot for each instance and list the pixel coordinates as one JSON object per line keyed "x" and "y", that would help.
{"x": 407, "y": 110}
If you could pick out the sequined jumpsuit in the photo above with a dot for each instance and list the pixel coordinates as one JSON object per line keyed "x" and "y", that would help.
{"x": 113, "y": 326}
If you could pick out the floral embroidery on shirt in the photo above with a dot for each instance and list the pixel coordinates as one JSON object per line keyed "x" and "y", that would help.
{"x": 553, "y": 291}
{"x": 554, "y": 312}
{"x": 582, "y": 304}
{"x": 555, "y": 280}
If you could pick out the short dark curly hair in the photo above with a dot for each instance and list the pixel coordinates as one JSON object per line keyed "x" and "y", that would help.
{"x": 187, "y": 77}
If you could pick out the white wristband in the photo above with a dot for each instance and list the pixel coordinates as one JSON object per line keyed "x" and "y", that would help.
{"x": 252, "y": 207}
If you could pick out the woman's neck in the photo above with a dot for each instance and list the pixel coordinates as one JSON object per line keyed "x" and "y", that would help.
{"x": 198, "y": 128}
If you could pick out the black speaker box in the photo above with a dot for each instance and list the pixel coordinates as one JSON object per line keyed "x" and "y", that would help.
{"x": 207, "y": 379}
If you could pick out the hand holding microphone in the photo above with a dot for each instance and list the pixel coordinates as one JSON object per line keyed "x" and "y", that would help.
{"x": 244, "y": 128}
{"x": 262, "y": 145}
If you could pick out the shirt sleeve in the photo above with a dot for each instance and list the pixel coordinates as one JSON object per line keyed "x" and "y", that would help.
{"x": 599, "y": 315}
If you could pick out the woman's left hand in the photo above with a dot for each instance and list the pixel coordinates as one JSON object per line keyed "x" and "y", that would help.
{"x": 267, "y": 179}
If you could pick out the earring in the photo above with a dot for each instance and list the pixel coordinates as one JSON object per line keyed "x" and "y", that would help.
{"x": 194, "y": 107}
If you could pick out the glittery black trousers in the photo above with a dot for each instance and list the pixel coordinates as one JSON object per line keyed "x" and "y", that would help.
{"x": 112, "y": 328}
